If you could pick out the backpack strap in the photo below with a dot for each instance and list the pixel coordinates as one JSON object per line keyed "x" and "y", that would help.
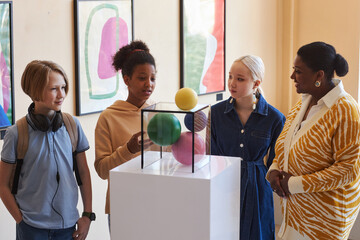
{"x": 22, "y": 146}
{"x": 71, "y": 128}
{"x": 23, "y": 137}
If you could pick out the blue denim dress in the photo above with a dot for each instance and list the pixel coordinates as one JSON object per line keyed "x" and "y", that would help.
{"x": 252, "y": 143}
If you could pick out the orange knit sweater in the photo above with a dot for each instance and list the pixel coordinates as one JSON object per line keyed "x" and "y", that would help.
{"x": 115, "y": 127}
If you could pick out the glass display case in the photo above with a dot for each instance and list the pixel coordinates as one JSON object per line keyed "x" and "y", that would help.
{"x": 175, "y": 139}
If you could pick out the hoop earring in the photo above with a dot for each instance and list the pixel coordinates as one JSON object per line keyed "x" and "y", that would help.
{"x": 254, "y": 101}
{"x": 317, "y": 84}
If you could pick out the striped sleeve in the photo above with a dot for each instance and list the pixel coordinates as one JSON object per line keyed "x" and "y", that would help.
{"x": 345, "y": 145}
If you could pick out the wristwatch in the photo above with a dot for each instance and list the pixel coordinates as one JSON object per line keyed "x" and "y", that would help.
{"x": 90, "y": 215}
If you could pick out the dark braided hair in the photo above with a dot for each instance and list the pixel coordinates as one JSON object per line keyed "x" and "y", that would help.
{"x": 322, "y": 56}
{"x": 131, "y": 55}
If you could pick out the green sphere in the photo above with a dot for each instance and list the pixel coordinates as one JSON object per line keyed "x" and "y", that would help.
{"x": 164, "y": 129}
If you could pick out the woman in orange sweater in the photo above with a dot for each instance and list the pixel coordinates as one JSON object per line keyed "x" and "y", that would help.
{"x": 118, "y": 129}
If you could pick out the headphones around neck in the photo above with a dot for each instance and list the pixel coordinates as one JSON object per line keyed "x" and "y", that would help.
{"x": 43, "y": 123}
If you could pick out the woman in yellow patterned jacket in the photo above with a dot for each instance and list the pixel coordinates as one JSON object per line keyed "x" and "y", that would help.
{"x": 316, "y": 168}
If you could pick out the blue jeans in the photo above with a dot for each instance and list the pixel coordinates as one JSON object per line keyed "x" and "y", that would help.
{"x": 27, "y": 232}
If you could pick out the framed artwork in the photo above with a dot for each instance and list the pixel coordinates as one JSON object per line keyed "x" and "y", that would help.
{"x": 202, "y": 34}
{"x": 6, "y": 67}
{"x": 101, "y": 28}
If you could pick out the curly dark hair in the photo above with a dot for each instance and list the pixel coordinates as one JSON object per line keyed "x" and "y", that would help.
{"x": 131, "y": 55}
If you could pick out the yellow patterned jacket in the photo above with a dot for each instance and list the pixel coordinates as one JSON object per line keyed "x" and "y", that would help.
{"x": 323, "y": 157}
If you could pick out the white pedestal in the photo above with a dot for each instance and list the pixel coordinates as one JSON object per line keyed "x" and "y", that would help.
{"x": 166, "y": 201}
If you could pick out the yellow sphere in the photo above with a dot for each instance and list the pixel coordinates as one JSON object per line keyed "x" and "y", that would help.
{"x": 186, "y": 98}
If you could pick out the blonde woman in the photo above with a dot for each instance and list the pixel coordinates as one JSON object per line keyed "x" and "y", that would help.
{"x": 246, "y": 126}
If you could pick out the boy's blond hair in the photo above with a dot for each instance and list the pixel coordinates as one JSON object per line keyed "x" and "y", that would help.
{"x": 36, "y": 77}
